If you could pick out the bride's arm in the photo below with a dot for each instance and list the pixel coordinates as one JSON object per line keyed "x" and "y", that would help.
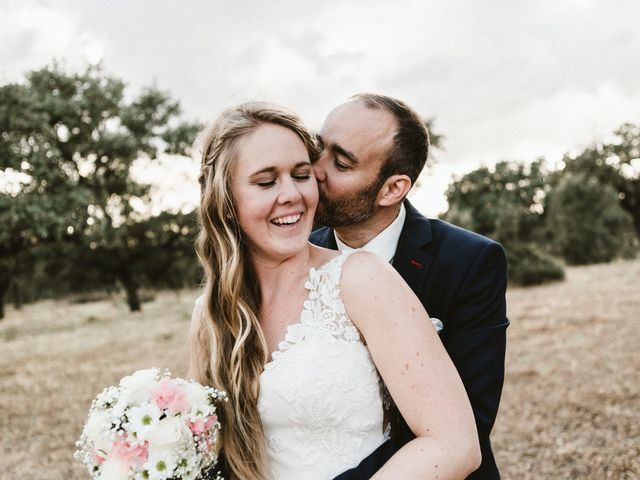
{"x": 417, "y": 371}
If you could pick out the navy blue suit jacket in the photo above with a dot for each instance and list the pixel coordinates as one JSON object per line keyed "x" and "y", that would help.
{"x": 460, "y": 277}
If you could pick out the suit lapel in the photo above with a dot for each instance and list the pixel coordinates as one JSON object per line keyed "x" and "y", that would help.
{"x": 324, "y": 237}
{"x": 411, "y": 261}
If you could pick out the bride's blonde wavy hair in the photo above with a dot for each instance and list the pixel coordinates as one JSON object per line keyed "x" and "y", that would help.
{"x": 229, "y": 349}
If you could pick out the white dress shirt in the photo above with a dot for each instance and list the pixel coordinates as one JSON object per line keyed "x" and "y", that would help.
{"x": 385, "y": 243}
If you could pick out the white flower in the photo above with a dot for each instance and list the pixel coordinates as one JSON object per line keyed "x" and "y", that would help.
{"x": 97, "y": 430}
{"x": 198, "y": 399}
{"x": 96, "y": 425}
{"x": 113, "y": 469}
{"x": 168, "y": 431}
{"x": 162, "y": 462}
{"x": 143, "y": 420}
{"x": 137, "y": 386}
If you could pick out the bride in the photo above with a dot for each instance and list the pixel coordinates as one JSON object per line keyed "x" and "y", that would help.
{"x": 301, "y": 337}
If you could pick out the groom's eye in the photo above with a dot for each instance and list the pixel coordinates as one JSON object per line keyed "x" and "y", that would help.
{"x": 340, "y": 166}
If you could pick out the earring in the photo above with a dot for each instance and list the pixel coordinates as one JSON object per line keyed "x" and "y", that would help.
{"x": 229, "y": 216}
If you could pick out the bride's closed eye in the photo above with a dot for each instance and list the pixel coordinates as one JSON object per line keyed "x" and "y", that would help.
{"x": 302, "y": 173}
{"x": 300, "y": 177}
{"x": 265, "y": 179}
{"x": 266, "y": 184}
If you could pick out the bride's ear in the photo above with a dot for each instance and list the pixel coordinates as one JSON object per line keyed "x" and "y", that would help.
{"x": 394, "y": 189}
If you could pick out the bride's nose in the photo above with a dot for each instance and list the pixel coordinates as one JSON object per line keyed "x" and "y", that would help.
{"x": 289, "y": 192}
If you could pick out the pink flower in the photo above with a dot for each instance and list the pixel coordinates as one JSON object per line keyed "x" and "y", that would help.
{"x": 98, "y": 459}
{"x": 202, "y": 425}
{"x": 130, "y": 454}
{"x": 167, "y": 395}
{"x": 211, "y": 421}
{"x": 197, "y": 427}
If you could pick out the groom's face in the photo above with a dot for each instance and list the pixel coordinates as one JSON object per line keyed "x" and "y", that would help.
{"x": 355, "y": 141}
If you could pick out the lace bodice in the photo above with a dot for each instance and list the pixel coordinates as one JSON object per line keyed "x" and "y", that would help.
{"x": 320, "y": 398}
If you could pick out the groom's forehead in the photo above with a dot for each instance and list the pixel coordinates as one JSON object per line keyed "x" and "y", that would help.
{"x": 356, "y": 122}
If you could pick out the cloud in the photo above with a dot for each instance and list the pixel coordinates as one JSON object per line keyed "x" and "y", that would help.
{"x": 503, "y": 79}
{"x": 566, "y": 121}
{"x": 34, "y": 35}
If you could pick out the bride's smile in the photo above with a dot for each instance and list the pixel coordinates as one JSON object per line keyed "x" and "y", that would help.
{"x": 287, "y": 220}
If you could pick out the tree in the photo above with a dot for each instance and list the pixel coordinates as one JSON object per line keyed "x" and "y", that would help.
{"x": 37, "y": 204}
{"x": 616, "y": 164}
{"x": 74, "y": 138}
{"x": 169, "y": 259}
{"x": 624, "y": 152}
{"x": 531, "y": 265}
{"x": 507, "y": 203}
{"x": 436, "y": 140}
{"x": 588, "y": 223}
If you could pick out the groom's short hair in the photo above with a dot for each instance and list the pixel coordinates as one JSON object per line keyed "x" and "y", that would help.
{"x": 410, "y": 149}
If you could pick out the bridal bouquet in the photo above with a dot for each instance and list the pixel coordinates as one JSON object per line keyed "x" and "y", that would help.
{"x": 152, "y": 427}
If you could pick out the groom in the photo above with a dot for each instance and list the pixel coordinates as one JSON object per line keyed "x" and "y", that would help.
{"x": 374, "y": 148}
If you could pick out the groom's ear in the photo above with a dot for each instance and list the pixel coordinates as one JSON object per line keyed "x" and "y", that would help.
{"x": 394, "y": 189}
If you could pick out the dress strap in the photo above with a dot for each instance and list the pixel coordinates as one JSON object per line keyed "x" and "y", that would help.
{"x": 331, "y": 271}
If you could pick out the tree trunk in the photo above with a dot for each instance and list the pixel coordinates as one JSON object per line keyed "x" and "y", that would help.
{"x": 4, "y": 286}
{"x": 16, "y": 293}
{"x": 131, "y": 287}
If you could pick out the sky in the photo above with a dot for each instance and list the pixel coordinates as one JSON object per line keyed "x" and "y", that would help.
{"x": 504, "y": 80}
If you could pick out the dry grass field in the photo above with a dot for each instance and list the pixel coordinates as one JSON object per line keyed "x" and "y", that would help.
{"x": 570, "y": 408}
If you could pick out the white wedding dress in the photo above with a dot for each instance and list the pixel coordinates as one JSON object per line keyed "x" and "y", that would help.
{"x": 320, "y": 396}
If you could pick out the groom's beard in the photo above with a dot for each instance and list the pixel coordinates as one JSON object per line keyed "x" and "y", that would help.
{"x": 349, "y": 210}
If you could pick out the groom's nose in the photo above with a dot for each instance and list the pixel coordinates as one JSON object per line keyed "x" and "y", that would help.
{"x": 318, "y": 168}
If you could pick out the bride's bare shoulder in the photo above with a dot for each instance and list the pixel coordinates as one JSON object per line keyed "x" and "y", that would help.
{"x": 321, "y": 255}
{"x": 366, "y": 276}
{"x": 365, "y": 266}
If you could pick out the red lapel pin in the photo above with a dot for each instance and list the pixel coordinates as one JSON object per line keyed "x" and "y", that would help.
{"x": 416, "y": 264}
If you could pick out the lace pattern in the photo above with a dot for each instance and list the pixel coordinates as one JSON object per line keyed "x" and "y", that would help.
{"x": 320, "y": 398}
{"x": 323, "y": 313}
